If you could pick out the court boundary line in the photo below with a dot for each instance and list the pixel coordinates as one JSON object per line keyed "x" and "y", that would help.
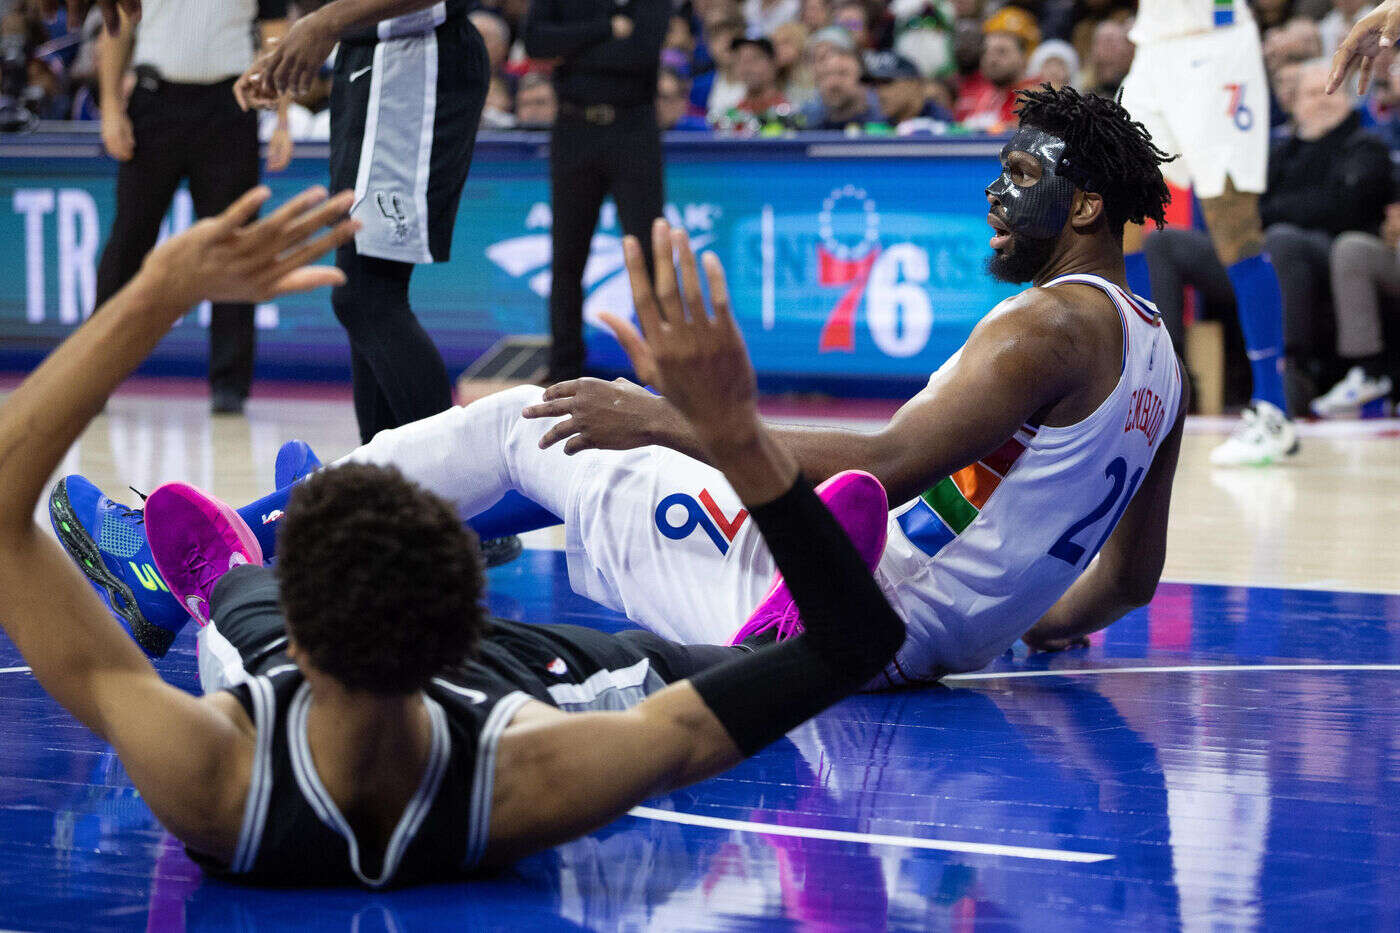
{"x": 878, "y": 839}
{"x": 1169, "y": 669}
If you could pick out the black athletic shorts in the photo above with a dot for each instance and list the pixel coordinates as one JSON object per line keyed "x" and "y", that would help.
{"x": 404, "y": 115}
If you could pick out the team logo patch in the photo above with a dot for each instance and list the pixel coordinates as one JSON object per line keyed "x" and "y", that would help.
{"x": 557, "y": 667}
{"x": 391, "y": 206}
{"x": 703, "y": 513}
{"x": 270, "y": 517}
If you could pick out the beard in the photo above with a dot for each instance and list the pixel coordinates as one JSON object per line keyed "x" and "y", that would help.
{"x": 1021, "y": 259}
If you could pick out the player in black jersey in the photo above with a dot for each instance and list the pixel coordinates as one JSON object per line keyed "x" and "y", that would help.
{"x": 410, "y": 739}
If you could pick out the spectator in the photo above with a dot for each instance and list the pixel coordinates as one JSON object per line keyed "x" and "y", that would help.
{"x": 1110, "y": 57}
{"x": 674, "y": 110}
{"x": 1336, "y": 24}
{"x": 1089, "y": 13}
{"x": 828, "y": 40}
{"x": 901, "y": 90}
{"x": 726, "y": 90}
{"x": 1331, "y": 176}
{"x": 1271, "y": 13}
{"x": 924, "y": 35}
{"x": 1178, "y": 257}
{"x": 794, "y": 77}
{"x": 1054, "y": 61}
{"x": 756, "y": 66}
{"x": 1285, "y": 48}
{"x": 495, "y": 33}
{"x": 816, "y": 14}
{"x": 535, "y": 102}
{"x": 764, "y": 16}
{"x": 842, "y": 101}
{"x": 854, "y": 17}
{"x": 680, "y": 37}
{"x": 987, "y": 100}
{"x": 496, "y": 113}
{"x": 1381, "y": 110}
{"x": 1365, "y": 267}
{"x": 967, "y": 51}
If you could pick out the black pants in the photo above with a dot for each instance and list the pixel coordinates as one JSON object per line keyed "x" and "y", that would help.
{"x": 1177, "y": 258}
{"x": 586, "y": 163}
{"x": 246, "y": 611}
{"x": 194, "y": 133}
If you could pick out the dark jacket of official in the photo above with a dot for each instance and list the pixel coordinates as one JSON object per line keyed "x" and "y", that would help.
{"x": 595, "y": 67}
{"x": 1338, "y": 182}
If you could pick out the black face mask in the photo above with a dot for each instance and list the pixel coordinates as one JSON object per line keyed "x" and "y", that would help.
{"x": 1041, "y": 210}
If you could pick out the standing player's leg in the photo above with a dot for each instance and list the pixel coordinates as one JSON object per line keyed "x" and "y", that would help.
{"x": 637, "y": 179}
{"x": 402, "y": 377}
{"x": 223, "y": 164}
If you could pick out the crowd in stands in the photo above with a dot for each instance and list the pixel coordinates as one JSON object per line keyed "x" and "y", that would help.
{"x": 758, "y": 68}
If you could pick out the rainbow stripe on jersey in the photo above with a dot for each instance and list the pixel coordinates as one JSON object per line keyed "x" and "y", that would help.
{"x": 945, "y": 510}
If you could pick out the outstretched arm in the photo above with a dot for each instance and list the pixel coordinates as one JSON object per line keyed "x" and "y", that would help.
{"x": 1125, "y": 573}
{"x": 180, "y": 752}
{"x": 559, "y": 775}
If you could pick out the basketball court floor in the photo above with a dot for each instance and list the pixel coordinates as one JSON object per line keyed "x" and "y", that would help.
{"x": 1227, "y": 758}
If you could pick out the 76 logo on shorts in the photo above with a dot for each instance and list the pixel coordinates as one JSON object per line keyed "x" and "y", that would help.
{"x": 704, "y": 514}
{"x": 1242, "y": 116}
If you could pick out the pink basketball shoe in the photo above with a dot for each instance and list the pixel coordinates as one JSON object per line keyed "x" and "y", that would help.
{"x": 195, "y": 539}
{"x": 857, "y": 501}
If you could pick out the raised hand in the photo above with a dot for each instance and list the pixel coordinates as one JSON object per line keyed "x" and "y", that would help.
{"x": 697, "y": 359}
{"x": 227, "y": 258}
{"x": 1376, "y": 30}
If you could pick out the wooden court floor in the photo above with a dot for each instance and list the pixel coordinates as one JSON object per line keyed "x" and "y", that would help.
{"x": 1227, "y": 758}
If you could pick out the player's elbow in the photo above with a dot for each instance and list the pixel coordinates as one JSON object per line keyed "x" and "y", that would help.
{"x": 1136, "y": 590}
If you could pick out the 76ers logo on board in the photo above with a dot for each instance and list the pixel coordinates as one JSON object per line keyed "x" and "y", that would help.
{"x": 850, "y": 244}
{"x": 704, "y": 514}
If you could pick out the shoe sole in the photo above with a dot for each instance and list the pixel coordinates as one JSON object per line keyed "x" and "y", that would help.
{"x": 498, "y": 551}
{"x": 152, "y": 639}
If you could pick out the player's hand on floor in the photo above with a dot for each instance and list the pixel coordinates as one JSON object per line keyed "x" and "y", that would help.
{"x": 695, "y": 358}
{"x": 1047, "y": 645}
{"x": 234, "y": 258}
{"x": 1375, "y": 31}
{"x": 598, "y": 415}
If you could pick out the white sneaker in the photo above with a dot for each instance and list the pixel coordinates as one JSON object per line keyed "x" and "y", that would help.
{"x": 1355, "y": 389}
{"x": 1265, "y": 435}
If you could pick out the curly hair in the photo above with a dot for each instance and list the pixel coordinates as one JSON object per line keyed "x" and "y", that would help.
{"x": 1106, "y": 151}
{"x": 381, "y": 583}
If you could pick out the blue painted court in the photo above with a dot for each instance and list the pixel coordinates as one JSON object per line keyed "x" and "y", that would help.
{"x": 1227, "y": 758}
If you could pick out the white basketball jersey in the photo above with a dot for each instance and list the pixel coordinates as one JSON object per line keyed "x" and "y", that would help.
{"x": 973, "y": 562}
{"x": 1166, "y": 19}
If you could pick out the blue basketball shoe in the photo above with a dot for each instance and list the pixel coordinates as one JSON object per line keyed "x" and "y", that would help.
{"x": 107, "y": 540}
{"x": 295, "y": 461}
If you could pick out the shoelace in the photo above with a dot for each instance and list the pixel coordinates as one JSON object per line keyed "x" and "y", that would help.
{"x": 204, "y": 573}
{"x": 126, "y": 511}
{"x": 788, "y": 623}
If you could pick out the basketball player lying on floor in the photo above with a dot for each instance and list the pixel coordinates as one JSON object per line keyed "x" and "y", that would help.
{"x": 1049, "y": 438}
{"x": 389, "y": 732}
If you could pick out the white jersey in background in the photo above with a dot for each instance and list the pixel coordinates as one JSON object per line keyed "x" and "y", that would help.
{"x": 1167, "y": 19}
{"x": 1198, "y": 85}
{"x": 979, "y": 557}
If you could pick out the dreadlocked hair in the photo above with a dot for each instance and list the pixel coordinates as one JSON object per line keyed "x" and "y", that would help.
{"x": 1106, "y": 151}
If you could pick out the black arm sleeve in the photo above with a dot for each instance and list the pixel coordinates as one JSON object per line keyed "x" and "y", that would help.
{"x": 851, "y": 632}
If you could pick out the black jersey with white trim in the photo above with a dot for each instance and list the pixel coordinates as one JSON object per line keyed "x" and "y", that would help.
{"x": 293, "y": 832}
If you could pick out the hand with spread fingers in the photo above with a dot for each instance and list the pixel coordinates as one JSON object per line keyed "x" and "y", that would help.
{"x": 231, "y": 257}
{"x": 695, "y": 358}
{"x": 598, "y": 415}
{"x": 1375, "y": 31}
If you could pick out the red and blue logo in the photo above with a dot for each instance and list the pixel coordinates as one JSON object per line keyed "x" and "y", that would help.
{"x": 704, "y": 514}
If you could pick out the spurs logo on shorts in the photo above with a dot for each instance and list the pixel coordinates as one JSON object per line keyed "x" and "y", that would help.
{"x": 704, "y": 514}
{"x": 391, "y": 206}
